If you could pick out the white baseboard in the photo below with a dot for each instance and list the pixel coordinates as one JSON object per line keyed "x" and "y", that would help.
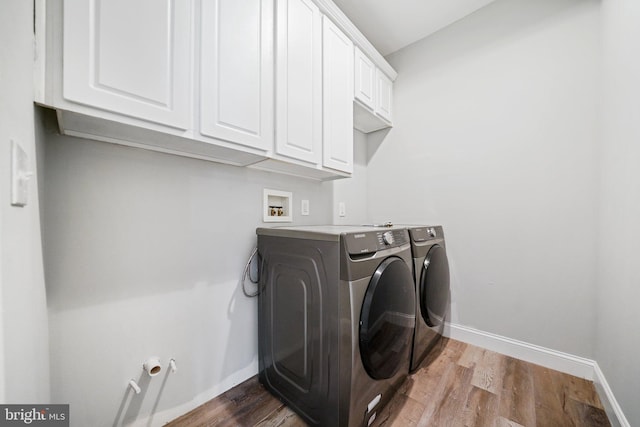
{"x": 161, "y": 418}
{"x": 563, "y": 362}
{"x": 611, "y": 406}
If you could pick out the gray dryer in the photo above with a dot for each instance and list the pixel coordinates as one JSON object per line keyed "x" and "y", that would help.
{"x": 336, "y": 314}
{"x": 433, "y": 294}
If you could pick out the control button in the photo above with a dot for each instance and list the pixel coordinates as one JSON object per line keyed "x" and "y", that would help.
{"x": 431, "y": 231}
{"x": 387, "y": 237}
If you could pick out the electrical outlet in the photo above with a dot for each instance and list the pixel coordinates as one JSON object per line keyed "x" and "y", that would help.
{"x": 304, "y": 207}
{"x": 20, "y": 175}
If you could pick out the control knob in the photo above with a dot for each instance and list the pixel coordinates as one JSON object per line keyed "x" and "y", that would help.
{"x": 387, "y": 237}
{"x": 431, "y": 231}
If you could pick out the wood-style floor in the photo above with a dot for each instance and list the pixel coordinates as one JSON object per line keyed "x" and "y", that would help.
{"x": 460, "y": 386}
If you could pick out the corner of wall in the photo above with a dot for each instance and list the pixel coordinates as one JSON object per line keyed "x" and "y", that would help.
{"x": 611, "y": 405}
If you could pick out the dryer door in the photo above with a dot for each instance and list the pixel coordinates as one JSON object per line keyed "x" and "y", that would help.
{"x": 387, "y": 319}
{"x": 434, "y": 287}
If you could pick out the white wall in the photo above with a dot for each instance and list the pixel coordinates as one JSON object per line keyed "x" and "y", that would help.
{"x": 618, "y": 340}
{"x": 144, "y": 254}
{"x": 495, "y": 137}
{"x": 353, "y": 191}
{"x": 24, "y": 364}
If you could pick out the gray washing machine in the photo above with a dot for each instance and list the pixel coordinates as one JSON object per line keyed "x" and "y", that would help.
{"x": 336, "y": 315}
{"x": 433, "y": 294}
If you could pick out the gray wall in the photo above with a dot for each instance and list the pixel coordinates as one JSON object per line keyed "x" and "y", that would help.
{"x": 618, "y": 339}
{"x": 144, "y": 253}
{"x": 353, "y": 191}
{"x": 24, "y": 362}
{"x": 495, "y": 137}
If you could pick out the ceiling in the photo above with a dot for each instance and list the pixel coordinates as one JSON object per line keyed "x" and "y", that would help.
{"x": 391, "y": 25}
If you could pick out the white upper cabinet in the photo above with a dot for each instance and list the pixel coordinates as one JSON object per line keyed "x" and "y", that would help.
{"x": 132, "y": 57}
{"x": 299, "y": 80}
{"x": 385, "y": 93}
{"x": 261, "y": 83}
{"x": 365, "y": 79}
{"x": 337, "y": 62}
{"x": 373, "y": 92}
{"x": 236, "y": 75}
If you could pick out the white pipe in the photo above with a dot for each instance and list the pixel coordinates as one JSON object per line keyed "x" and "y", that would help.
{"x": 135, "y": 386}
{"x": 152, "y": 366}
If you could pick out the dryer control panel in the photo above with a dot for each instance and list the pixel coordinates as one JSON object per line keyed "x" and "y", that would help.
{"x": 422, "y": 234}
{"x": 374, "y": 241}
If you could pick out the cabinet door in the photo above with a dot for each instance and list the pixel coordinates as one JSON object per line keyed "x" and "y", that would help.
{"x": 237, "y": 71}
{"x": 133, "y": 57}
{"x": 299, "y": 80}
{"x": 337, "y": 64}
{"x": 384, "y": 95}
{"x": 365, "y": 78}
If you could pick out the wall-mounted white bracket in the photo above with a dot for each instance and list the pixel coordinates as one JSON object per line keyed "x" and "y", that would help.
{"x": 134, "y": 386}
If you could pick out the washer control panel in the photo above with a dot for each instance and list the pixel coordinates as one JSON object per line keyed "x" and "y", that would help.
{"x": 374, "y": 241}
{"x": 387, "y": 238}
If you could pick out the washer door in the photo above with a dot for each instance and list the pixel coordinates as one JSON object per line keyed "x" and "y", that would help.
{"x": 434, "y": 287}
{"x": 387, "y": 319}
